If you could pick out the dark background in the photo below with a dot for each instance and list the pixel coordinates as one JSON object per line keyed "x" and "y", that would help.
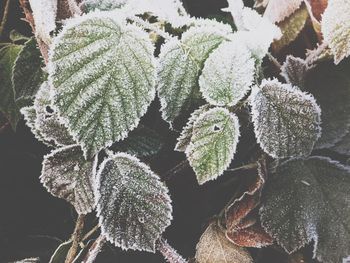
{"x": 33, "y": 223}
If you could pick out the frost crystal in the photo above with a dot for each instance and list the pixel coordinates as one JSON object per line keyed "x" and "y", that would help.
{"x": 307, "y": 200}
{"x": 277, "y": 10}
{"x": 336, "y": 28}
{"x": 286, "y": 120}
{"x": 180, "y": 63}
{"x": 62, "y": 179}
{"x": 133, "y": 206}
{"x": 213, "y": 143}
{"x": 103, "y": 73}
{"x": 227, "y": 75}
{"x": 44, "y": 24}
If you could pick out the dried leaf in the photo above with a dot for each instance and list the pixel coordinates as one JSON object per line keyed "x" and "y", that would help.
{"x": 252, "y": 236}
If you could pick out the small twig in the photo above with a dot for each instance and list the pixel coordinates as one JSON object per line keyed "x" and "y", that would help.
{"x": 94, "y": 250}
{"x": 274, "y": 61}
{"x": 4, "y": 18}
{"x": 90, "y": 233}
{"x": 244, "y": 167}
{"x": 169, "y": 253}
{"x": 76, "y": 238}
{"x": 176, "y": 169}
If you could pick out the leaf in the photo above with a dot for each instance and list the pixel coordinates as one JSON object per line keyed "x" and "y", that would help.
{"x": 336, "y": 28}
{"x": 213, "y": 247}
{"x": 330, "y": 85}
{"x": 278, "y": 10}
{"x": 133, "y": 206}
{"x": 213, "y": 143}
{"x": 185, "y": 137}
{"x": 286, "y": 120}
{"x": 291, "y": 28}
{"x": 141, "y": 142}
{"x": 294, "y": 71}
{"x": 227, "y": 75}
{"x": 308, "y": 200}
{"x": 103, "y": 5}
{"x": 27, "y": 72}
{"x": 169, "y": 253}
{"x": 318, "y": 7}
{"x": 102, "y": 95}
{"x": 67, "y": 175}
{"x": 180, "y": 64}
{"x": 60, "y": 254}
{"x": 44, "y": 24}
{"x": 8, "y": 107}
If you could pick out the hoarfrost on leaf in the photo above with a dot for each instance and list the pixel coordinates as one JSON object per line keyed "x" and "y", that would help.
{"x": 335, "y": 28}
{"x": 103, "y": 73}
{"x": 294, "y": 71}
{"x": 180, "y": 64}
{"x": 103, "y": 5}
{"x": 277, "y": 10}
{"x": 213, "y": 143}
{"x": 306, "y": 201}
{"x": 62, "y": 179}
{"x": 286, "y": 120}
{"x": 214, "y": 247}
{"x": 228, "y": 74}
{"x": 133, "y": 206}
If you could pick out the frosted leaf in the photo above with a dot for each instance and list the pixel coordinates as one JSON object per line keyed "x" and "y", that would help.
{"x": 277, "y": 10}
{"x": 291, "y": 28}
{"x": 141, "y": 142}
{"x": 330, "y": 85}
{"x": 67, "y": 175}
{"x": 308, "y": 200}
{"x": 213, "y": 143}
{"x": 133, "y": 206}
{"x": 48, "y": 126}
{"x": 227, "y": 75}
{"x": 185, "y": 137}
{"x": 169, "y": 253}
{"x": 27, "y": 72}
{"x": 8, "y": 107}
{"x": 286, "y": 120}
{"x": 105, "y": 5}
{"x": 103, "y": 73}
{"x": 294, "y": 71}
{"x": 214, "y": 247}
{"x": 44, "y": 12}
{"x": 235, "y": 7}
{"x": 180, "y": 64}
{"x": 336, "y": 28}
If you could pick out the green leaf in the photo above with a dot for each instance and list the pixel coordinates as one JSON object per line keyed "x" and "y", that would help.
{"x": 67, "y": 175}
{"x": 214, "y": 247}
{"x": 133, "y": 206}
{"x": 27, "y": 72}
{"x": 330, "y": 85}
{"x": 60, "y": 254}
{"x": 308, "y": 200}
{"x": 213, "y": 143}
{"x": 180, "y": 64}
{"x": 8, "y": 55}
{"x": 103, "y": 5}
{"x": 228, "y": 74}
{"x": 103, "y": 73}
{"x": 286, "y": 120}
{"x": 335, "y": 28}
{"x": 141, "y": 142}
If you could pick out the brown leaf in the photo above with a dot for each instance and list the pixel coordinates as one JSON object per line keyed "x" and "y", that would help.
{"x": 277, "y": 10}
{"x": 214, "y": 247}
{"x": 318, "y": 7}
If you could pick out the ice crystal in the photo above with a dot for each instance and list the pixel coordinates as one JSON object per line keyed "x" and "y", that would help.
{"x": 61, "y": 178}
{"x": 228, "y": 74}
{"x": 286, "y": 120}
{"x": 213, "y": 143}
{"x": 308, "y": 201}
{"x": 133, "y": 206}
{"x": 336, "y": 28}
{"x": 180, "y": 64}
{"x": 103, "y": 73}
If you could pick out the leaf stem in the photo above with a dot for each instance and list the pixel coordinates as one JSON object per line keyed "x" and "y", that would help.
{"x": 274, "y": 61}
{"x": 175, "y": 170}
{"x": 90, "y": 233}
{"x": 244, "y": 167}
{"x": 76, "y": 238}
{"x": 4, "y": 18}
{"x": 168, "y": 252}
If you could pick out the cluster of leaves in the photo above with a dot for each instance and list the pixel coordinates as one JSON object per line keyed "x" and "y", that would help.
{"x": 103, "y": 72}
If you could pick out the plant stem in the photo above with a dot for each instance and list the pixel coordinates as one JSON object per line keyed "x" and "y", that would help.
{"x": 90, "y": 233}
{"x": 4, "y": 18}
{"x": 94, "y": 250}
{"x": 176, "y": 169}
{"x": 76, "y": 238}
{"x": 274, "y": 61}
{"x": 169, "y": 253}
{"x": 244, "y": 167}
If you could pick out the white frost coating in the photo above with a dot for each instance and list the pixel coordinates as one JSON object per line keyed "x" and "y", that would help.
{"x": 44, "y": 12}
{"x": 294, "y": 71}
{"x": 286, "y": 120}
{"x": 213, "y": 143}
{"x": 67, "y": 175}
{"x": 180, "y": 63}
{"x": 335, "y": 27}
{"x": 277, "y": 10}
{"x": 235, "y": 7}
{"x": 228, "y": 74}
{"x": 133, "y": 205}
{"x": 103, "y": 74}
{"x": 90, "y": 5}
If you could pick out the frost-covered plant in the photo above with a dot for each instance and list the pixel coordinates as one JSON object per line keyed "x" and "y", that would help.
{"x": 105, "y": 65}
